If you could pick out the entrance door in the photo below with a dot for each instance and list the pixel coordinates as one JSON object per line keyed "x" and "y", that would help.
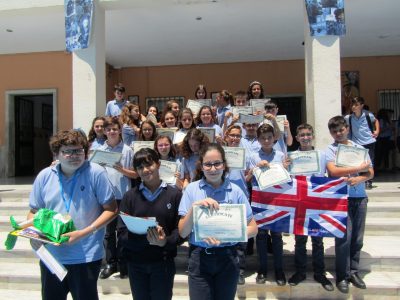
{"x": 33, "y": 127}
{"x": 291, "y": 107}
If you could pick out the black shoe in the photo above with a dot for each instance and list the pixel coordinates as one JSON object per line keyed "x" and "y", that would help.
{"x": 241, "y": 279}
{"x": 261, "y": 278}
{"x": 123, "y": 270}
{"x": 296, "y": 278}
{"x": 325, "y": 282}
{"x": 368, "y": 185}
{"x": 108, "y": 271}
{"x": 357, "y": 281}
{"x": 343, "y": 286}
{"x": 280, "y": 278}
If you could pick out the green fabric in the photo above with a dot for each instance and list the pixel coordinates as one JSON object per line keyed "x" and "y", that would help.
{"x": 52, "y": 225}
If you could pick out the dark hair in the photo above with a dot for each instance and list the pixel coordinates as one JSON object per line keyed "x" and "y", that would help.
{"x": 126, "y": 117}
{"x": 172, "y": 150}
{"x": 270, "y": 104}
{"x": 250, "y": 94}
{"x": 92, "y": 134}
{"x": 181, "y": 113}
{"x": 200, "y": 87}
{"x": 265, "y": 128}
{"x": 157, "y": 112}
{"x": 199, "y": 174}
{"x": 146, "y": 157}
{"x": 193, "y": 134}
{"x": 109, "y": 121}
{"x": 119, "y": 87}
{"x": 68, "y": 138}
{"x": 198, "y": 119}
{"x": 227, "y": 96}
{"x": 163, "y": 118}
{"x": 357, "y": 99}
{"x": 336, "y": 122}
{"x": 304, "y": 126}
{"x": 154, "y": 135}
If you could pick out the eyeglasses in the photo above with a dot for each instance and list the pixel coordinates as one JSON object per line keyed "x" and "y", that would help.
{"x": 217, "y": 165}
{"x": 70, "y": 152}
{"x": 234, "y": 136}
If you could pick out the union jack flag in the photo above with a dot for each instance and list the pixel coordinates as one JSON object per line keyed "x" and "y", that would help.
{"x": 309, "y": 205}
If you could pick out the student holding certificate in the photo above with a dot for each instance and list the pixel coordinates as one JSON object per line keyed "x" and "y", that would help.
{"x": 266, "y": 155}
{"x": 120, "y": 176}
{"x": 348, "y": 248}
{"x": 224, "y": 102}
{"x": 186, "y": 122}
{"x": 206, "y": 119}
{"x": 305, "y": 136}
{"x": 213, "y": 266}
{"x": 150, "y": 257}
{"x": 240, "y": 99}
{"x": 148, "y": 131}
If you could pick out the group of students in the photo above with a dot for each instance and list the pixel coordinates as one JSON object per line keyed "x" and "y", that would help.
{"x": 93, "y": 194}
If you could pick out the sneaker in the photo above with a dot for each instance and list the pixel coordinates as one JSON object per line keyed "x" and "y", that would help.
{"x": 261, "y": 278}
{"x": 108, "y": 271}
{"x": 296, "y": 278}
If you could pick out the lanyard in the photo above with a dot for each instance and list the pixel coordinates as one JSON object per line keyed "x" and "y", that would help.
{"x": 67, "y": 203}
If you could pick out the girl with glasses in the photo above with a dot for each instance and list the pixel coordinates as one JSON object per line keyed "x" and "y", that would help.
{"x": 213, "y": 266}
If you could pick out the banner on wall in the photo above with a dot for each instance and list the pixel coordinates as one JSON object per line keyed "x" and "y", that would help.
{"x": 326, "y": 17}
{"x": 78, "y": 23}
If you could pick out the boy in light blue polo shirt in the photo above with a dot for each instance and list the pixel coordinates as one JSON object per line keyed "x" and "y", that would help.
{"x": 348, "y": 248}
{"x": 114, "y": 107}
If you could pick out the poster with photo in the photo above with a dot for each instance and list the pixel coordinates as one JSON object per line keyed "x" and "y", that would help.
{"x": 78, "y": 23}
{"x": 326, "y": 17}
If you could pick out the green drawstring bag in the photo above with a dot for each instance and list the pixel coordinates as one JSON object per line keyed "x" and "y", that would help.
{"x": 49, "y": 222}
{"x": 53, "y": 224}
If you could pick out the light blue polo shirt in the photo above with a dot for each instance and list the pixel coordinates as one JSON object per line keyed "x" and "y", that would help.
{"x": 227, "y": 193}
{"x": 359, "y": 131}
{"x": 114, "y": 108}
{"x": 96, "y": 143}
{"x": 280, "y": 144}
{"x": 237, "y": 177}
{"x": 221, "y": 113}
{"x": 92, "y": 190}
{"x": 251, "y": 145}
{"x": 128, "y": 135}
{"x": 148, "y": 194}
{"x": 358, "y": 190}
{"x": 120, "y": 183}
{"x": 274, "y": 157}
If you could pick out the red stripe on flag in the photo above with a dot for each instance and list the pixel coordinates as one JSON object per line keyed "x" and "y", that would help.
{"x": 327, "y": 186}
{"x": 275, "y": 216}
{"x": 334, "y": 223}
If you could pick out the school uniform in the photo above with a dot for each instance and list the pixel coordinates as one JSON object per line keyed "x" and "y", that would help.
{"x": 221, "y": 111}
{"x": 97, "y": 143}
{"x": 114, "y": 108}
{"x": 129, "y": 135}
{"x": 188, "y": 166}
{"x": 213, "y": 270}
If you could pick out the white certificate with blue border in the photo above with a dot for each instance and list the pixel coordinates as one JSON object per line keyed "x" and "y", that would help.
{"x": 227, "y": 224}
{"x": 350, "y": 156}
{"x": 142, "y": 144}
{"x": 167, "y": 171}
{"x": 235, "y": 158}
{"x": 274, "y": 175}
{"x": 304, "y": 162}
{"x": 209, "y": 132}
{"x": 245, "y": 110}
{"x": 169, "y": 132}
{"x": 105, "y": 157}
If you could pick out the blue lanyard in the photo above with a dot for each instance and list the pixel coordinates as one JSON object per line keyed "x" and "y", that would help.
{"x": 67, "y": 203}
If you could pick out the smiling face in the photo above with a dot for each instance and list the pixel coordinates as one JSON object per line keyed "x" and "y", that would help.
{"x": 175, "y": 107}
{"x": 170, "y": 120}
{"x": 186, "y": 120}
{"x": 305, "y": 138}
{"x": 266, "y": 141}
{"x": 233, "y": 137}
{"x": 149, "y": 173}
{"x": 98, "y": 128}
{"x": 113, "y": 133}
{"x": 206, "y": 116}
{"x": 201, "y": 94}
{"x": 135, "y": 113}
{"x": 163, "y": 147}
{"x": 256, "y": 91}
{"x": 152, "y": 110}
{"x": 213, "y": 167}
{"x": 147, "y": 131}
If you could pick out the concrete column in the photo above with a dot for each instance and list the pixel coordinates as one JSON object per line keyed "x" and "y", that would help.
{"x": 323, "y": 90}
{"x": 89, "y": 75}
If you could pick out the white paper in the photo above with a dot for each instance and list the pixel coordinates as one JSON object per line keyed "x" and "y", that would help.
{"x": 54, "y": 266}
{"x": 142, "y": 144}
{"x": 170, "y": 132}
{"x": 235, "y": 157}
{"x": 245, "y": 110}
{"x": 209, "y": 132}
{"x": 250, "y": 119}
{"x": 167, "y": 171}
{"x": 258, "y": 105}
{"x": 138, "y": 225}
{"x": 280, "y": 119}
{"x": 274, "y": 175}
{"x": 350, "y": 156}
{"x": 105, "y": 157}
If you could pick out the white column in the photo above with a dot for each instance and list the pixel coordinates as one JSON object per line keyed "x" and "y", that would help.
{"x": 88, "y": 75}
{"x": 323, "y": 90}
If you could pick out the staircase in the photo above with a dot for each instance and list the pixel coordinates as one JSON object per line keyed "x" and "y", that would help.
{"x": 380, "y": 259}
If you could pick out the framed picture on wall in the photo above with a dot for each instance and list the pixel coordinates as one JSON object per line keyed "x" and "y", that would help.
{"x": 160, "y": 102}
{"x": 134, "y": 99}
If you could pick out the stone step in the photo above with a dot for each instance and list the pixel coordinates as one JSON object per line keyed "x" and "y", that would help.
{"x": 381, "y": 285}
{"x": 378, "y": 254}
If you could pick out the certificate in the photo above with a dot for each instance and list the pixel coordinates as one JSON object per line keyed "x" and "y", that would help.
{"x": 274, "y": 175}
{"x": 228, "y": 224}
{"x": 105, "y": 158}
{"x": 179, "y": 136}
{"x": 167, "y": 171}
{"x": 170, "y": 132}
{"x": 235, "y": 158}
{"x": 280, "y": 119}
{"x": 209, "y": 132}
{"x": 258, "y": 104}
{"x": 138, "y": 225}
{"x": 152, "y": 118}
{"x": 195, "y": 105}
{"x": 350, "y": 156}
{"x": 245, "y": 110}
{"x": 304, "y": 162}
{"x": 142, "y": 144}
{"x": 250, "y": 119}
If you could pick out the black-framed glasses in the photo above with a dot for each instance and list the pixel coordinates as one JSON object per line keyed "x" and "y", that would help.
{"x": 217, "y": 165}
{"x": 70, "y": 152}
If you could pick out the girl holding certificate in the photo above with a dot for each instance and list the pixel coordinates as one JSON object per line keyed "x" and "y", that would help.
{"x": 185, "y": 123}
{"x": 147, "y": 131}
{"x": 213, "y": 266}
{"x": 206, "y": 119}
{"x": 150, "y": 257}
{"x": 130, "y": 120}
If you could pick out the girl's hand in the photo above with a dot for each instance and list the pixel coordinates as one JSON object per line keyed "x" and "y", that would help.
{"x": 156, "y": 236}
{"x": 263, "y": 164}
{"x": 208, "y": 202}
{"x": 212, "y": 241}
